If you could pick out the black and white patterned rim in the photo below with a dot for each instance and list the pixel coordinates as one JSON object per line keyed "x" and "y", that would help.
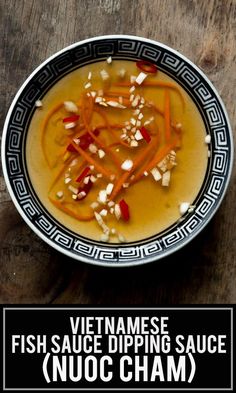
{"x": 189, "y": 77}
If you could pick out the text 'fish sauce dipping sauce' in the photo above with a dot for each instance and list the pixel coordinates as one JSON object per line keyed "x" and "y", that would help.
{"x": 117, "y": 151}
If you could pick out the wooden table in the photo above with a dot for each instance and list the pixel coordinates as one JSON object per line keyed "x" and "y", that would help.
{"x": 205, "y": 270}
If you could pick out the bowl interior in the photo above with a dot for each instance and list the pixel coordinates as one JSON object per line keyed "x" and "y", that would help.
{"x": 195, "y": 84}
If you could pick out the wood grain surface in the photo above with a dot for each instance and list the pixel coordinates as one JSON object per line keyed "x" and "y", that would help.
{"x": 202, "y": 272}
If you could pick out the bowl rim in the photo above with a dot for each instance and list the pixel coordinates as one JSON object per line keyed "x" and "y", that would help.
{"x": 98, "y": 262}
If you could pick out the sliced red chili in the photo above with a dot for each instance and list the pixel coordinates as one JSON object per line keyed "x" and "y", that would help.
{"x": 146, "y": 66}
{"x": 84, "y": 141}
{"x": 83, "y": 174}
{"x": 71, "y": 119}
{"x": 86, "y": 188}
{"x": 124, "y": 208}
{"x": 71, "y": 148}
{"x": 145, "y": 134}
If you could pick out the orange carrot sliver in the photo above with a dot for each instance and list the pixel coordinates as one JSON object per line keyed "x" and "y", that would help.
{"x": 89, "y": 159}
{"x": 70, "y": 212}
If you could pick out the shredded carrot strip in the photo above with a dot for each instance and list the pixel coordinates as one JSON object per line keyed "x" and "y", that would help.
{"x": 99, "y": 142}
{"x": 139, "y": 159}
{"x": 89, "y": 159}
{"x": 44, "y": 126}
{"x": 167, "y": 116}
{"x": 70, "y": 212}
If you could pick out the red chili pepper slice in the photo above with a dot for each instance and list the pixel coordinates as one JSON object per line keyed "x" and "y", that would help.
{"x": 71, "y": 119}
{"x": 86, "y": 139}
{"x": 86, "y": 188}
{"x": 124, "y": 208}
{"x": 145, "y": 134}
{"x": 146, "y": 66}
{"x": 84, "y": 143}
{"x": 83, "y": 174}
{"x": 71, "y": 148}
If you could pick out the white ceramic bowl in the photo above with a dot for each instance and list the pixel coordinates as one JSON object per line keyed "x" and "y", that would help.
{"x": 212, "y": 110}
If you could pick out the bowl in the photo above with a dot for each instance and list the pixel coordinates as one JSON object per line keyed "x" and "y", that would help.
{"x": 192, "y": 80}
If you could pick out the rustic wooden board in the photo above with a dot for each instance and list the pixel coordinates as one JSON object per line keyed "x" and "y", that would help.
{"x": 205, "y": 270}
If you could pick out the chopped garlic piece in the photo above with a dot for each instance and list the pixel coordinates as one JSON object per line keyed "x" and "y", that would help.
{"x": 135, "y": 101}
{"x": 127, "y": 165}
{"x": 208, "y": 139}
{"x": 77, "y": 141}
{"x": 136, "y": 112}
{"x": 115, "y": 104}
{"x": 120, "y": 99}
{"x": 104, "y": 237}
{"x": 132, "y": 79}
{"x": 98, "y": 99}
{"x": 113, "y": 231}
{"x": 70, "y": 106}
{"x": 111, "y": 203}
{"x": 140, "y": 78}
{"x": 122, "y": 72}
{"x": 101, "y": 153}
{"x": 166, "y": 179}
{"x": 121, "y": 238}
{"x": 86, "y": 179}
{"x": 67, "y": 180}
{"x": 125, "y": 185}
{"x": 109, "y": 188}
{"x": 117, "y": 211}
{"x": 148, "y": 121}
{"x": 81, "y": 194}
{"x": 140, "y": 116}
{"x": 103, "y": 212}
{"x": 109, "y": 60}
{"x": 183, "y": 207}
{"x": 156, "y": 174}
{"x": 93, "y": 148}
{"x": 89, "y": 75}
{"x": 88, "y": 85}
{"x": 178, "y": 125}
{"x": 70, "y": 125}
{"x": 131, "y": 90}
{"x": 74, "y": 196}
{"x": 59, "y": 194}
{"x": 73, "y": 189}
{"x": 102, "y": 196}
{"x": 138, "y": 136}
{"x": 38, "y": 104}
{"x": 131, "y": 97}
{"x": 103, "y": 104}
{"x": 134, "y": 143}
{"x": 191, "y": 208}
{"x": 138, "y": 123}
{"x": 94, "y": 205}
{"x": 104, "y": 74}
{"x": 133, "y": 121}
{"x": 93, "y": 93}
{"x": 99, "y": 175}
{"x": 145, "y": 173}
